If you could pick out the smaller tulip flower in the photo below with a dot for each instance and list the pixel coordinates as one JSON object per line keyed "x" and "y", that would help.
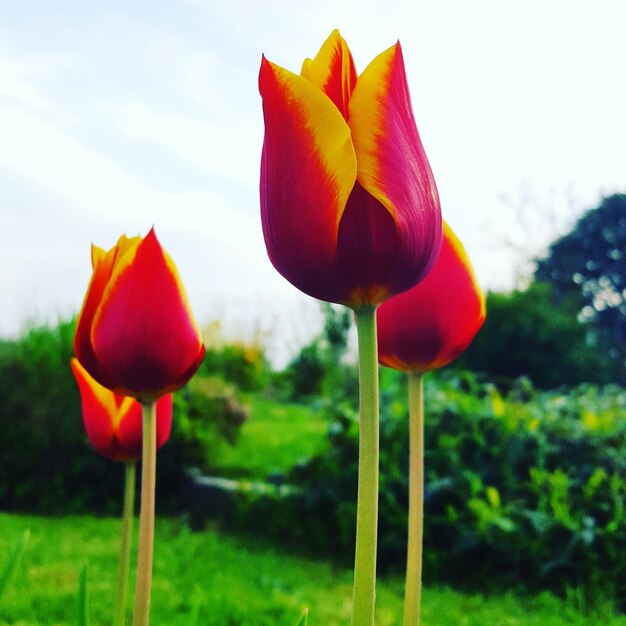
{"x": 431, "y": 324}
{"x": 114, "y": 423}
{"x": 419, "y": 330}
{"x": 136, "y": 334}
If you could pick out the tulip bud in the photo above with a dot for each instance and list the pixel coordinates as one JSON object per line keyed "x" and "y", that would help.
{"x": 431, "y": 324}
{"x": 114, "y": 423}
{"x": 349, "y": 206}
{"x": 136, "y": 334}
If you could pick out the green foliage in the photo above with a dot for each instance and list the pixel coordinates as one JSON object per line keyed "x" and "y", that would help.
{"x": 525, "y": 489}
{"x": 304, "y": 618}
{"x": 242, "y": 364}
{"x": 12, "y": 561}
{"x": 82, "y": 600}
{"x": 305, "y": 372}
{"x": 527, "y": 334}
{"x": 317, "y": 370}
{"x": 205, "y": 401}
{"x": 237, "y": 581}
{"x": 46, "y": 461}
{"x": 588, "y": 263}
{"x": 274, "y": 439}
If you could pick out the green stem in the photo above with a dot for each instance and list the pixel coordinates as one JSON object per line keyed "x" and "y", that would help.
{"x": 141, "y": 609}
{"x": 364, "y": 594}
{"x": 413, "y": 590}
{"x": 125, "y": 541}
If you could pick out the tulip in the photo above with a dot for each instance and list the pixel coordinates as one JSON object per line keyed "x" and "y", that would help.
{"x": 433, "y": 323}
{"x": 114, "y": 423}
{"x": 135, "y": 333}
{"x": 136, "y": 336}
{"x": 349, "y": 206}
{"x": 351, "y": 215}
{"x": 422, "y": 329}
{"x": 114, "y": 428}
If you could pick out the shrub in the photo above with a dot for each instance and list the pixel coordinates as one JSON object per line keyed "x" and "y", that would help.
{"x": 319, "y": 368}
{"x": 242, "y": 363}
{"x": 46, "y": 462}
{"x": 524, "y": 489}
{"x": 527, "y": 334}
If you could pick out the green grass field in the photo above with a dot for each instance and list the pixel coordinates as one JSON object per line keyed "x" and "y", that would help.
{"x": 235, "y": 581}
{"x": 288, "y": 432}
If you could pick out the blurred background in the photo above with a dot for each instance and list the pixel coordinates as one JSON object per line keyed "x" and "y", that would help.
{"x": 118, "y": 116}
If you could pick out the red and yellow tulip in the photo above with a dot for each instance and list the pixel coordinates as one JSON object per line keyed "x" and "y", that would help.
{"x": 349, "y": 206}
{"x": 135, "y": 333}
{"x": 431, "y": 324}
{"x": 114, "y": 423}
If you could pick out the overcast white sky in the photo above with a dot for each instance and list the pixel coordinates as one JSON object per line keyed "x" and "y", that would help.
{"x": 116, "y": 115}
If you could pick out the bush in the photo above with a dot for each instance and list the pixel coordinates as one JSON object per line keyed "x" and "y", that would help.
{"x": 242, "y": 363}
{"x": 319, "y": 368}
{"x": 46, "y": 462}
{"x": 524, "y": 489}
{"x": 527, "y": 334}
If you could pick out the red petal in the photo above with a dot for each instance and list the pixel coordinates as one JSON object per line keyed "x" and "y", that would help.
{"x": 103, "y": 265}
{"x": 431, "y": 324}
{"x": 392, "y": 164}
{"x": 113, "y": 423}
{"x": 308, "y": 170}
{"x": 131, "y": 428}
{"x": 367, "y": 249}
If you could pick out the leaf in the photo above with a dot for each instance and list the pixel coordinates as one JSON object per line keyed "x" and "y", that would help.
{"x": 304, "y": 618}
{"x": 83, "y": 599}
{"x": 194, "y": 616}
{"x": 13, "y": 561}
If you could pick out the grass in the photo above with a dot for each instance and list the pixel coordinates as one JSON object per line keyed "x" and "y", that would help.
{"x": 234, "y": 581}
{"x": 289, "y": 432}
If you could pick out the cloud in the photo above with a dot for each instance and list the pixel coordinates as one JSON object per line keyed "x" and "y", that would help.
{"x": 226, "y": 148}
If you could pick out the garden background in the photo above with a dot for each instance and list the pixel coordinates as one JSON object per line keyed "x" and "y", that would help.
{"x": 525, "y": 466}
{"x": 114, "y": 118}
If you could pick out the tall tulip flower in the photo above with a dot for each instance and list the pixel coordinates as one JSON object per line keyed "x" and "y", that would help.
{"x": 349, "y": 206}
{"x": 113, "y": 422}
{"x": 351, "y": 215}
{"x": 136, "y": 334}
{"x": 422, "y": 329}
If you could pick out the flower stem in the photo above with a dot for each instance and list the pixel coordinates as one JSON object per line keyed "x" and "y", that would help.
{"x": 364, "y": 594}
{"x": 413, "y": 590}
{"x": 141, "y": 609}
{"x": 125, "y": 541}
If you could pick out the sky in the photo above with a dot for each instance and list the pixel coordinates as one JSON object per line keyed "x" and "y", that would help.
{"x": 118, "y": 115}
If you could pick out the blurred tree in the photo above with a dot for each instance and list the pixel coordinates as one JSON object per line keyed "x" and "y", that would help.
{"x": 337, "y": 324}
{"x": 589, "y": 263}
{"x": 319, "y": 368}
{"x": 527, "y": 334}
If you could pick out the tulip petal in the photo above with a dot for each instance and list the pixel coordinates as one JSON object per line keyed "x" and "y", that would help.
{"x": 367, "y": 249}
{"x": 392, "y": 164}
{"x": 431, "y": 324}
{"x": 143, "y": 334}
{"x": 332, "y": 70}
{"x": 130, "y": 429}
{"x": 97, "y": 255}
{"x": 103, "y": 411}
{"x": 103, "y": 264}
{"x": 164, "y": 410}
{"x": 113, "y": 423}
{"x": 308, "y": 170}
